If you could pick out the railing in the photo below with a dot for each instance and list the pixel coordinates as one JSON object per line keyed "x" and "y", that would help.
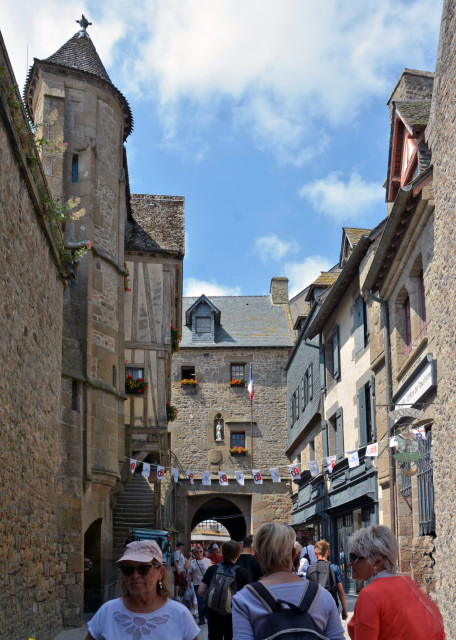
{"x": 426, "y": 515}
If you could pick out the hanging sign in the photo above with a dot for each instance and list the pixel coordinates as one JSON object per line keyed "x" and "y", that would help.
{"x": 257, "y": 476}
{"x": 275, "y": 474}
{"x": 408, "y": 446}
{"x": 405, "y": 412}
{"x": 239, "y": 477}
{"x": 223, "y": 479}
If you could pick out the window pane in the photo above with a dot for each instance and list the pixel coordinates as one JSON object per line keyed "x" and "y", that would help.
{"x": 238, "y": 440}
{"x": 237, "y": 371}
{"x": 135, "y": 374}
{"x": 202, "y": 325}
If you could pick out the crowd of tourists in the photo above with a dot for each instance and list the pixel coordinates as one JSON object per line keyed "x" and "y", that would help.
{"x": 268, "y": 586}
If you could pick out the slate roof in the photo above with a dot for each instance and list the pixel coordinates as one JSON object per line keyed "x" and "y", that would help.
{"x": 245, "y": 321}
{"x": 80, "y": 53}
{"x": 415, "y": 112}
{"x": 136, "y": 239}
{"x": 355, "y": 235}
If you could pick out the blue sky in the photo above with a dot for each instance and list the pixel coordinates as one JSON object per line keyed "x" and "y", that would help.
{"x": 269, "y": 117}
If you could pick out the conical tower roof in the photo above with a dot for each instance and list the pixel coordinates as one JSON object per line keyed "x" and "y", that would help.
{"x": 78, "y": 54}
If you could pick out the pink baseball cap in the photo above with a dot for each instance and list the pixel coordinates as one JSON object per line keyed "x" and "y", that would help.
{"x": 142, "y": 551}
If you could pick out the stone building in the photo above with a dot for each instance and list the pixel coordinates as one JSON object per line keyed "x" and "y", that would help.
{"x": 221, "y": 338}
{"x": 403, "y": 341}
{"x": 66, "y": 412}
{"x": 440, "y": 278}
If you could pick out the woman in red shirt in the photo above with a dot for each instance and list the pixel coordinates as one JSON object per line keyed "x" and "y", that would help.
{"x": 391, "y": 606}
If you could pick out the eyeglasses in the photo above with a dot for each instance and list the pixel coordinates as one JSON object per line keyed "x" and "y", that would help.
{"x": 142, "y": 569}
{"x": 354, "y": 558}
{"x": 198, "y": 551}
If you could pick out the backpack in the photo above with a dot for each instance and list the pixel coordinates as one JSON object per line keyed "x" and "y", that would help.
{"x": 323, "y": 574}
{"x": 221, "y": 589}
{"x": 292, "y": 623}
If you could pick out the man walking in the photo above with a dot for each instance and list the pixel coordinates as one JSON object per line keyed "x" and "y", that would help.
{"x": 327, "y": 575}
{"x": 178, "y": 568}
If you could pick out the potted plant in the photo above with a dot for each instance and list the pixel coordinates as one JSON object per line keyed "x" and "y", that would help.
{"x": 238, "y": 451}
{"x": 237, "y": 382}
{"x": 189, "y": 382}
{"x": 176, "y": 337}
{"x": 135, "y": 386}
{"x": 171, "y": 412}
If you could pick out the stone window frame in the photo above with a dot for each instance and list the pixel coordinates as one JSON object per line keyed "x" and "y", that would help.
{"x": 240, "y": 375}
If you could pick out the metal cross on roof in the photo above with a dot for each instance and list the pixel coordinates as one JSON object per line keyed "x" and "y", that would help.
{"x": 83, "y": 22}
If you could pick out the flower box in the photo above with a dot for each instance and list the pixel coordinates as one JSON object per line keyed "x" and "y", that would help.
{"x": 238, "y": 451}
{"x": 237, "y": 382}
{"x": 189, "y": 382}
{"x": 135, "y": 386}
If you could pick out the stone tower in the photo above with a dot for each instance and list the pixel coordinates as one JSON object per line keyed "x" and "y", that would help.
{"x": 72, "y": 97}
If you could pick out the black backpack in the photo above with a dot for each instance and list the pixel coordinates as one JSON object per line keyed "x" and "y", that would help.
{"x": 323, "y": 574}
{"x": 287, "y": 624}
{"x": 222, "y": 588}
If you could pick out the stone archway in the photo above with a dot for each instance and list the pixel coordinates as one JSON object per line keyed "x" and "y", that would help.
{"x": 231, "y": 513}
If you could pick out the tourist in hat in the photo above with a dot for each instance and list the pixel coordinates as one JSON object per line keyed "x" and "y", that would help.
{"x": 145, "y": 608}
{"x": 215, "y": 556}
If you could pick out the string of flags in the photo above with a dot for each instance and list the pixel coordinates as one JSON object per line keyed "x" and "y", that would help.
{"x": 407, "y": 444}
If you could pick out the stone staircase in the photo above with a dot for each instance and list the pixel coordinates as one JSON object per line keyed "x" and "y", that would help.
{"x": 134, "y": 510}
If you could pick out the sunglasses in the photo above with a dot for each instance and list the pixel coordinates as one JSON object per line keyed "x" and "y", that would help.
{"x": 142, "y": 569}
{"x": 354, "y": 558}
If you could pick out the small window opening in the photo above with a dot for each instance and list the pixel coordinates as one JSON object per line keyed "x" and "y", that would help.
{"x": 75, "y": 168}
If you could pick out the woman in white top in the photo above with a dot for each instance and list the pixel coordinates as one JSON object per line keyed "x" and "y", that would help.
{"x": 145, "y": 611}
{"x": 273, "y": 545}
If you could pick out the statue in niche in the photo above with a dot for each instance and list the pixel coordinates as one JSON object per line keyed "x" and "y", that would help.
{"x": 219, "y": 430}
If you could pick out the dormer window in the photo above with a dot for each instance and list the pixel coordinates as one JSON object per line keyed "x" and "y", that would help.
{"x": 202, "y": 324}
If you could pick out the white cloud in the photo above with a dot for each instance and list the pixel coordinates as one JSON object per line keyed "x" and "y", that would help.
{"x": 194, "y": 288}
{"x": 342, "y": 200}
{"x": 270, "y": 247}
{"x": 301, "y": 274}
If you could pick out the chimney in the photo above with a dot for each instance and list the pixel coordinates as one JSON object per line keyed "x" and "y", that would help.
{"x": 279, "y": 290}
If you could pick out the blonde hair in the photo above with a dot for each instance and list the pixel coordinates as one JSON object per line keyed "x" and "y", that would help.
{"x": 322, "y": 547}
{"x": 164, "y": 591}
{"x": 375, "y": 541}
{"x": 273, "y": 545}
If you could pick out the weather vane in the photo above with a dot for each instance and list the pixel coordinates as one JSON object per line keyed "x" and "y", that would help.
{"x": 83, "y": 22}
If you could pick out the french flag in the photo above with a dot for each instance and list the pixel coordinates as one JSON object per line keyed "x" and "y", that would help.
{"x": 250, "y": 385}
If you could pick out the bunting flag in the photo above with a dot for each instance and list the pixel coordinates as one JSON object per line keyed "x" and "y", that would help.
{"x": 175, "y": 473}
{"x": 223, "y": 479}
{"x": 353, "y": 459}
{"x": 294, "y": 470}
{"x": 206, "y": 478}
{"x": 146, "y": 469}
{"x": 313, "y": 468}
{"x": 132, "y": 465}
{"x": 160, "y": 472}
{"x": 190, "y": 477}
{"x": 330, "y": 462}
{"x": 372, "y": 449}
{"x": 393, "y": 442}
{"x": 250, "y": 385}
{"x": 275, "y": 474}
{"x": 257, "y": 478}
{"x": 240, "y": 477}
{"x": 420, "y": 432}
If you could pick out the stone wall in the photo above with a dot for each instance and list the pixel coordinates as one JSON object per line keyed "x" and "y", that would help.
{"x": 30, "y": 350}
{"x": 441, "y": 136}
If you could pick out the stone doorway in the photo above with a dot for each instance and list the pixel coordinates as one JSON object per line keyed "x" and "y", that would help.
{"x": 230, "y": 512}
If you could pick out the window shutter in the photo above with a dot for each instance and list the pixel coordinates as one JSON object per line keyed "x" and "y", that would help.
{"x": 339, "y": 434}
{"x": 297, "y": 403}
{"x": 362, "y": 417}
{"x": 373, "y": 408}
{"x": 359, "y": 325}
{"x": 336, "y": 363}
{"x": 324, "y": 436}
{"x": 322, "y": 369}
{"x": 303, "y": 394}
{"x": 310, "y": 386}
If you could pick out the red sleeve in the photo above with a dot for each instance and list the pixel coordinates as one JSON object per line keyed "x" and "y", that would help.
{"x": 365, "y": 624}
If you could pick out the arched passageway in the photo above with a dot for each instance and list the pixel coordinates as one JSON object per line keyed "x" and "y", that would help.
{"x": 224, "y": 511}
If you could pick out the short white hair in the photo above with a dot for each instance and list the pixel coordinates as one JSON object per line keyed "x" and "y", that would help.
{"x": 374, "y": 541}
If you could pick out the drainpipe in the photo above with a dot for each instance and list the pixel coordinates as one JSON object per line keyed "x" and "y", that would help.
{"x": 388, "y": 395}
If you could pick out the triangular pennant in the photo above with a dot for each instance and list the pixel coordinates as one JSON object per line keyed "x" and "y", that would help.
{"x": 313, "y": 468}
{"x": 294, "y": 470}
{"x": 206, "y": 478}
{"x": 223, "y": 478}
{"x": 420, "y": 432}
{"x": 146, "y": 469}
{"x": 257, "y": 478}
{"x": 160, "y": 473}
{"x": 239, "y": 477}
{"x": 132, "y": 465}
{"x": 330, "y": 462}
{"x": 175, "y": 474}
{"x": 190, "y": 476}
{"x": 275, "y": 474}
{"x": 353, "y": 459}
{"x": 372, "y": 449}
{"x": 393, "y": 442}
